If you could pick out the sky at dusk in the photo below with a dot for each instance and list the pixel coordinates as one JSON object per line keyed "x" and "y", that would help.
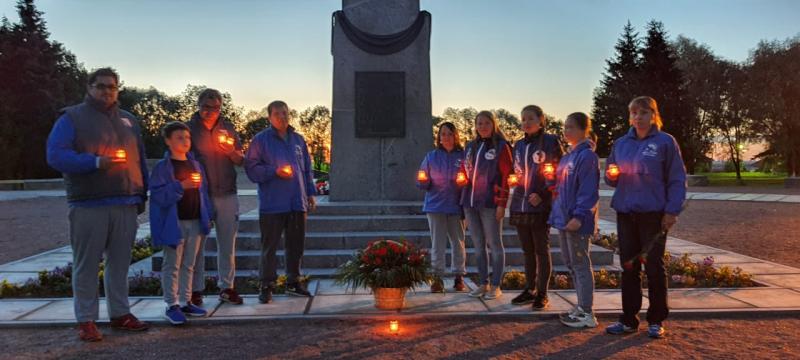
{"x": 484, "y": 54}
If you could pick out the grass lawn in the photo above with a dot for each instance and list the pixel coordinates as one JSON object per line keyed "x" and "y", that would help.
{"x": 749, "y": 178}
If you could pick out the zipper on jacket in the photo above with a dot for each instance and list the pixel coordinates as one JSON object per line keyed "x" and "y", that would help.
{"x": 525, "y": 183}
{"x": 474, "y": 174}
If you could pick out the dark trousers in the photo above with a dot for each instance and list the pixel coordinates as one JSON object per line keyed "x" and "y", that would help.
{"x": 534, "y": 236}
{"x": 272, "y": 227}
{"x": 640, "y": 236}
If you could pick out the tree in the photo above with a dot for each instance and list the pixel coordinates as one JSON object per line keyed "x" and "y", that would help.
{"x": 464, "y": 121}
{"x": 774, "y": 83}
{"x": 660, "y": 78}
{"x": 38, "y": 77}
{"x": 187, "y": 101}
{"x": 730, "y": 118}
{"x": 154, "y": 109}
{"x": 509, "y": 124}
{"x": 617, "y": 88}
{"x": 315, "y": 125}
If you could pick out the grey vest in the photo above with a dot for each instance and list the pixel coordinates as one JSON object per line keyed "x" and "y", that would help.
{"x": 103, "y": 134}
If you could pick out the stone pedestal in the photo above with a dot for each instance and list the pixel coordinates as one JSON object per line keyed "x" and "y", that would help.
{"x": 382, "y": 127}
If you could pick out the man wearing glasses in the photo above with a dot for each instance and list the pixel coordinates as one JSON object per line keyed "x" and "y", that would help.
{"x": 216, "y": 145}
{"x": 98, "y": 148}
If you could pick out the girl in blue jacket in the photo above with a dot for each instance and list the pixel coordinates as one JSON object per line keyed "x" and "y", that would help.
{"x": 439, "y": 177}
{"x": 646, "y": 168}
{"x": 574, "y": 213}
{"x": 531, "y": 203}
{"x": 487, "y": 163}
{"x": 180, "y": 219}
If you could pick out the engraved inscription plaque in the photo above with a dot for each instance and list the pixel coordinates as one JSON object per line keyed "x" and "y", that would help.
{"x": 380, "y": 104}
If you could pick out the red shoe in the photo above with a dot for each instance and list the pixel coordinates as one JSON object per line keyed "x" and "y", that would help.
{"x": 88, "y": 331}
{"x": 128, "y": 322}
{"x": 197, "y": 298}
{"x": 231, "y": 296}
{"x": 459, "y": 284}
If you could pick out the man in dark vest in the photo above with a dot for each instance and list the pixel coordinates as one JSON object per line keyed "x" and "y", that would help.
{"x": 98, "y": 147}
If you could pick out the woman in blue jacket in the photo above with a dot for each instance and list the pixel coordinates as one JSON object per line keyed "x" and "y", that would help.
{"x": 487, "y": 163}
{"x": 531, "y": 203}
{"x": 438, "y": 176}
{"x": 646, "y": 168}
{"x": 574, "y": 213}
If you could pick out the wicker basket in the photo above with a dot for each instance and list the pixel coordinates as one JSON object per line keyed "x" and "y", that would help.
{"x": 389, "y": 298}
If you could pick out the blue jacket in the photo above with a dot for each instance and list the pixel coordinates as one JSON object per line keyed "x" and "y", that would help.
{"x": 165, "y": 192}
{"x": 529, "y": 155}
{"x": 577, "y": 189}
{"x": 442, "y": 194}
{"x": 266, "y": 154}
{"x": 61, "y": 155}
{"x": 652, "y": 176}
{"x": 487, "y": 167}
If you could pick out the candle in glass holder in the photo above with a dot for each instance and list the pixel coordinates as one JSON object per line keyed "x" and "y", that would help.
{"x": 224, "y": 139}
{"x": 613, "y": 170}
{"x": 394, "y": 326}
{"x": 196, "y": 177}
{"x": 549, "y": 171}
{"x": 422, "y": 176}
{"x": 461, "y": 179}
{"x": 121, "y": 154}
{"x": 287, "y": 170}
{"x": 513, "y": 180}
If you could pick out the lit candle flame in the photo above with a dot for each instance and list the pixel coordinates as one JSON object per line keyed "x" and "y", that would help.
{"x": 196, "y": 177}
{"x": 422, "y": 176}
{"x": 394, "y": 326}
{"x": 287, "y": 169}
{"x": 513, "y": 180}
{"x": 613, "y": 170}
{"x": 121, "y": 154}
{"x": 549, "y": 171}
{"x": 461, "y": 178}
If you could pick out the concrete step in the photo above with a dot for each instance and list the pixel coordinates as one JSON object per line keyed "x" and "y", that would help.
{"x": 368, "y": 208}
{"x": 359, "y": 240}
{"x": 332, "y": 258}
{"x": 322, "y": 223}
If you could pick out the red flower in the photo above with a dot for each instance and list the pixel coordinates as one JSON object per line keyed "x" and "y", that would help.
{"x": 381, "y": 252}
{"x": 378, "y": 261}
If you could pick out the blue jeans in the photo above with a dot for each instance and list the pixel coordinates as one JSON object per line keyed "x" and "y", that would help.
{"x": 484, "y": 228}
{"x": 575, "y": 252}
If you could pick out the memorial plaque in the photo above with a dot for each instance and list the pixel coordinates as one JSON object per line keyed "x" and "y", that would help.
{"x": 380, "y": 104}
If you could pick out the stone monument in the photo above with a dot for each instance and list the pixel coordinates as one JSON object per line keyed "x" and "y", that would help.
{"x": 381, "y": 128}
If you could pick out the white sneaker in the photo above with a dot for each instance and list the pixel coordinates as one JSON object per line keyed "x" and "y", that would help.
{"x": 479, "y": 291}
{"x": 580, "y": 319}
{"x": 493, "y": 293}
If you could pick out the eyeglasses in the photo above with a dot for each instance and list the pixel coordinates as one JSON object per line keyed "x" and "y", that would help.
{"x": 210, "y": 108}
{"x": 102, "y": 87}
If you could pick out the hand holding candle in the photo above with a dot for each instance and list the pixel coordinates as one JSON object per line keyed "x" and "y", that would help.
{"x": 549, "y": 171}
{"x": 422, "y": 176}
{"x": 285, "y": 171}
{"x": 196, "y": 178}
{"x": 612, "y": 172}
{"x": 513, "y": 180}
{"x": 120, "y": 156}
{"x": 461, "y": 178}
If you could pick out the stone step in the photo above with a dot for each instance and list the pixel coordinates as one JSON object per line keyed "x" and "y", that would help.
{"x": 320, "y": 223}
{"x": 331, "y": 258}
{"x": 368, "y": 207}
{"x": 359, "y": 240}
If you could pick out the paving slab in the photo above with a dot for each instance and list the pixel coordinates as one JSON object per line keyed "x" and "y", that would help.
{"x": 605, "y": 299}
{"x": 12, "y": 309}
{"x": 427, "y": 302}
{"x": 503, "y": 305}
{"x": 280, "y": 305}
{"x": 765, "y": 297}
{"x": 770, "y": 197}
{"x": 784, "y": 280}
{"x": 329, "y": 287}
{"x": 345, "y": 304}
{"x": 745, "y": 197}
{"x": 764, "y": 268}
{"x": 61, "y": 310}
{"x": 791, "y": 199}
{"x": 722, "y": 258}
{"x": 38, "y": 262}
{"x": 702, "y": 299}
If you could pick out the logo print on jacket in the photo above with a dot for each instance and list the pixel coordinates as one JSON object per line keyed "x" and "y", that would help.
{"x": 538, "y": 157}
{"x": 651, "y": 150}
{"x": 489, "y": 155}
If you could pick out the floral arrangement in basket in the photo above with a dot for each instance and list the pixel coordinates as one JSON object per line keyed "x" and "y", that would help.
{"x": 386, "y": 264}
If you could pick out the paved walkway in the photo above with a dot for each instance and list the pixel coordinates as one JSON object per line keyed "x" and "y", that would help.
{"x": 780, "y": 293}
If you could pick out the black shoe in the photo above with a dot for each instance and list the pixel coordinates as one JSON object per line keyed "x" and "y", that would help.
{"x": 540, "y": 302}
{"x": 524, "y": 298}
{"x": 297, "y": 289}
{"x": 265, "y": 295}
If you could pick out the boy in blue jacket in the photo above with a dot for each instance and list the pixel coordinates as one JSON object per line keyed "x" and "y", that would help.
{"x": 278, "y": 161}
{"x": 180, "y": 219}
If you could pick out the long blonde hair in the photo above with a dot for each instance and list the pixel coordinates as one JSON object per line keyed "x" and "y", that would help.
{"x": 497, "y": 134}
{"x": 647, "y": 102}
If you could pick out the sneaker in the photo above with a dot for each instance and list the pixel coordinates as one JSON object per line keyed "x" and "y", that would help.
{"x": 197, "y": 298}
{"x": 656, "y": 331}
{"x": 265, "y": 295}
{"x": 437, "y": 286}
{"x": 195, "y": 311}
{"x": 523, "y": 298}
{"x": 174, "y": 315}
{"x": 230, "y": 296}
{"x": 571, "y": 312}
{"x": 540, "y": 302}
{"x": 128, "y": 322}
{"x": 479, "y": 291}
{"x": 87, "y": 331}
{"x": 493, "y": 293}
{"x": 297, "y": 289}
{"x": 580, "y": 319}
{"x": 459, "y": 284}
{"x": 619, "y": 328}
